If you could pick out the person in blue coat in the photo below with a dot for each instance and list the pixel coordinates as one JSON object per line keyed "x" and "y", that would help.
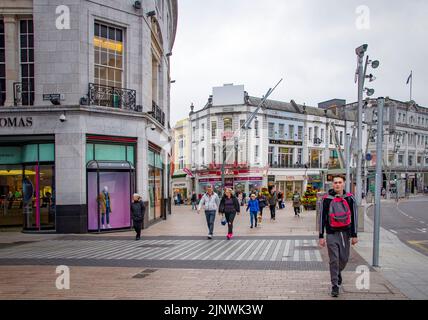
{"x": 253, "y": 206}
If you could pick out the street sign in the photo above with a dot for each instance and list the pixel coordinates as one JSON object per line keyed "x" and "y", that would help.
{"x": 369, "y": 157}
{"x": 51, "y": 96}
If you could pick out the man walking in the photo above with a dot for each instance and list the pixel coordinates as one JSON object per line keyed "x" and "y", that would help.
{"x": 272, "y": 199}
{"x": 297, "y": 203}
{"x": 338, "y": 216}
{"x": 211, "y": 202}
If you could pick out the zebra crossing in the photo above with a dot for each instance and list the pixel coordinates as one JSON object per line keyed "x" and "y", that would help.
{"x": 294, "y": 250}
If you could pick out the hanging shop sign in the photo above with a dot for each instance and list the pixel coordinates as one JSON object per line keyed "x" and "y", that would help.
{"x": 286, "y": 142}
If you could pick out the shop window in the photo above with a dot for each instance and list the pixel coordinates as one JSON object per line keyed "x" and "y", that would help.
{"x": 47, "y": 152}
{"x": 2, "y": 65}
{"x": 108, "y": 55}
{"x": 26, "y": 36}
{"x": 29, "y": 153}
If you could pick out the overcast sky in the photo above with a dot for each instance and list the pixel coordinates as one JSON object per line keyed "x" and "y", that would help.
{"x": 309, "y": 43}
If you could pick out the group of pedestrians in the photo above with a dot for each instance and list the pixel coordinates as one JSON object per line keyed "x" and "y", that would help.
{"x": 338, "y": 219}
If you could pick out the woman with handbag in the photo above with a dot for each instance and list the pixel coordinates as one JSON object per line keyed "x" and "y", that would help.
{"x": 229, "y": 206}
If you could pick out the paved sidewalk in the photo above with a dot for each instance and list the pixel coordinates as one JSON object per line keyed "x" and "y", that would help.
{"x": 174, "y": 260}
{"x": 404, "y": 267}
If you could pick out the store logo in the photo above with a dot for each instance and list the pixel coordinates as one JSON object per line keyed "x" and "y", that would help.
{"x": 63, "y": 280}
{"x": 16, "y": 122}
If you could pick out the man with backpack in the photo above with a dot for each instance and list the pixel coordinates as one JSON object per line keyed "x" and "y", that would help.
{"x": 338, "y": 216}
{"x": 297, "y": 203}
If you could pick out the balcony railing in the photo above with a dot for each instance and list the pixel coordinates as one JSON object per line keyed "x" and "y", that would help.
{"x": 112, "y": 97}
{"x": 157, "y": 113}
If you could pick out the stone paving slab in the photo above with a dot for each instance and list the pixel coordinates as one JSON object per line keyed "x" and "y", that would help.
{"x": 38, "y": 282}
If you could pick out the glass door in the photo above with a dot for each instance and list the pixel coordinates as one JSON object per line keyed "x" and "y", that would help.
{"x": 29, "y": 198}
{"x": 10, "y": 196}
{"x": 46, "y": 196}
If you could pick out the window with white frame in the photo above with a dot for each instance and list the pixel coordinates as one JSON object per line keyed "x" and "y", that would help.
{"x": 213, "y": 129}
{"x": 203, "y": 132}
{"x": 271, "y": 130}
{"x": 26, "y": 46}
{"x": 214, "y": 149}
{"x": 256, "y": 127}
{"x": 270, "y": 156}
{"x": 291, "y": 132}
{"x": 281, "y": 132}
{"x": 322, "y": 135}
{"x": 310, "y": 134}
{"x": 2, "y": 65}
{"x": 300, "y": 132}
{"x": 256, "y": 154}
{"x": 400, "y": 159}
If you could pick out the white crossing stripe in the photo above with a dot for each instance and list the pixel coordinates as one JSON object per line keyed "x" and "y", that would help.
{"x": 205, "y": 250}
{"x": 235, "y": 252}
{"x": 233, "y": 246}
{"x": 263, "y": 256}
{"x": 215, "y": 251}
{"x": 246, "y": 251}
{"x": 275, "y": 252}
{"x": 286, "y": 253}
{"x": 253, "y": 254}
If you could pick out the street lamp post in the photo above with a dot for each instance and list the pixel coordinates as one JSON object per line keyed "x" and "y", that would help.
{"x": 379, "y": 179}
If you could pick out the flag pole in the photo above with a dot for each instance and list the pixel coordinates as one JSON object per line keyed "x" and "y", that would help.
{"x": 411, "y": 84}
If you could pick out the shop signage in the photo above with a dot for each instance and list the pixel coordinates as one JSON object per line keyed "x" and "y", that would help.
{"x": 16, "y": 122}
{"x": 176, "y": 185}
{"x": 286, "y": 142}
{"x": 51, "y": 96}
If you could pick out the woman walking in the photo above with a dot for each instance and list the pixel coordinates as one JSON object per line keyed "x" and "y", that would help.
{"x": 229, "y": 206}
{"x": 253, "y": 206}
{"x": 137, "y": 212}
{"x": 273, "y": 198}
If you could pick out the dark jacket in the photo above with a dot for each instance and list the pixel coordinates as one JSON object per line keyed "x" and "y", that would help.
{"x": 194, "y": 197}
{"x": 262, "y": 202}
{"x": 235, "y": 203}
{"x": 137, "y": 211}
{"x": 273, "y": 198}
{"x": 325, "y": 221}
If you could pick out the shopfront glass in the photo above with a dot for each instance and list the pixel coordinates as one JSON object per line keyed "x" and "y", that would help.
{"x": 155, "y": 185}
{"x": 116, "y": 187}
{"x": 27, "y": 188}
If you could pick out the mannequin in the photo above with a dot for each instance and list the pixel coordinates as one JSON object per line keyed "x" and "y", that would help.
{"x": 105, "y": 207}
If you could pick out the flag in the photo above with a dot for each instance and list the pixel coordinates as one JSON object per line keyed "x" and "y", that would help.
{"x": 189, "y": 173}
{"x": 410, "y": 77}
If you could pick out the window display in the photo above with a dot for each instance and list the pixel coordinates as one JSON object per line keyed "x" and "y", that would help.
{"x": 109, "y": 200}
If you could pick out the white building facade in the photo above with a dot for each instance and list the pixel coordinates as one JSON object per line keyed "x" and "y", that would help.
{"x": 85, "y": 103}
{"x": 288, "y": 145}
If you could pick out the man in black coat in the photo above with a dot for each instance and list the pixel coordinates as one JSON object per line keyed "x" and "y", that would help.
{"x": 137, "y": 212}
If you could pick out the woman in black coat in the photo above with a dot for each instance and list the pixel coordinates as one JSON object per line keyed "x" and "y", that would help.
{"x": 229, "y": 206}
{"x": 137, "y": 212}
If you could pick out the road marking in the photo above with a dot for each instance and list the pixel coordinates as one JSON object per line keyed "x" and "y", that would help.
{"x": 253, "y": 254}
{"x": 229, "y": 257}
{"x": 420, "y": 244}
{"x": 263, "y": 256}
{"x": 286, "y": 253}
{"x": 393, "y": 231}
{"x": 246, "y": 251}
{"x": 318, "y": 255}
{"x": 275, "y": 252}
{"x": 231, "y": 248}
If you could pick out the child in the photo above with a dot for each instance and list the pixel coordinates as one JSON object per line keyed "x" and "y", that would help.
{"x": 253, "y": 206}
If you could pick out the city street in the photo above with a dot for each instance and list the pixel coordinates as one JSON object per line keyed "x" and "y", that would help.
{"x": 408, "y": 220}
{"x": 174, "y": 260}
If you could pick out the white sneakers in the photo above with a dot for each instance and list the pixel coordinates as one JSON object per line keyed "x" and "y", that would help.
{"x": 103, "y": 227}
{"x": 109, "y": 226}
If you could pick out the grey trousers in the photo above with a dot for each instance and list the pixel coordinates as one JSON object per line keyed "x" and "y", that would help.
{"x": 338, "y": 245}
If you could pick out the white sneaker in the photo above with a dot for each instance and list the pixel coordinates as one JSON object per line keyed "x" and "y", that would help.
{"x": 109, "y": 226}
{"x": 103, "y": 227}
{"x": 210, "y": 236}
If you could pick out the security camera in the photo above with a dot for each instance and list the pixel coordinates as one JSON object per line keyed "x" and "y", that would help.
{"x": 62, "y": 118}
{"x": 152, "y": 127}
{"x": 361, "y": 50}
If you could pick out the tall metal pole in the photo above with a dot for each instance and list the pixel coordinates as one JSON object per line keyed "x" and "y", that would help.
{"x": 379, "y": 180}
{"x": 360, "y": 129}
{"x": 348, "y": 162}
